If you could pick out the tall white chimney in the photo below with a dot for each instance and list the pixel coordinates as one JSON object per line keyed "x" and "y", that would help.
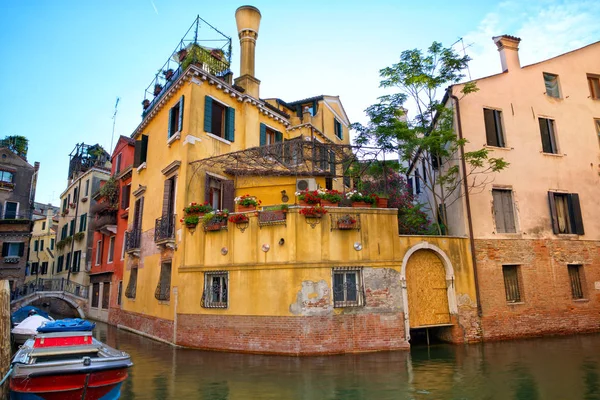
{"x": 508, "y": 46}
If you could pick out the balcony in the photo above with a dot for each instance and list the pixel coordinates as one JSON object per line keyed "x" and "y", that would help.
{"x": 11, "y": 217}
{"x": 132, "y": 242}
{"x": 106, "y": 224}
{"x": 164, "y": 231}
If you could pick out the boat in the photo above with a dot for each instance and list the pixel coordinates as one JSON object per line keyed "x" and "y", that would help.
{"x": 27, "y": 328}
{"x": 64, "y": 361}
{"x": 18, "y": 316}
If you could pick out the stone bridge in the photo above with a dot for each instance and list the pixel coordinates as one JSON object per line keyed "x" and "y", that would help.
{"x": 75, "y": 295}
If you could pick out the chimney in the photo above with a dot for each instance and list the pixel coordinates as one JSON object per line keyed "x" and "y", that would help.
{"x": 247, "y": 19}
{"x": 508, "y": 46}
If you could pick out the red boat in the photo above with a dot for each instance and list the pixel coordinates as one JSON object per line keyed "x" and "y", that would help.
{"x": 67, "y": 365}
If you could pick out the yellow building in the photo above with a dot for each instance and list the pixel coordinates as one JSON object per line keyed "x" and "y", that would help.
{"x": 282, "y": 282}
{"x": 42, "y": 246}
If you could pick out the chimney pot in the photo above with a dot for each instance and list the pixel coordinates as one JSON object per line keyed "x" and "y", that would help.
{"x": 247, "y": 19}
{"x": 508, "y": 46}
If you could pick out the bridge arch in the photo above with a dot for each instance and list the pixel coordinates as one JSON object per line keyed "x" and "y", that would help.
{"x": 75, "y": 302}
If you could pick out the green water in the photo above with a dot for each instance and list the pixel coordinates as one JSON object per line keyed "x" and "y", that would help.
{"x": 551, "y": 368}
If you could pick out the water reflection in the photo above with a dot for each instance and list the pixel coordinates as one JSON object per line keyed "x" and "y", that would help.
{"x": 553, "y": 368}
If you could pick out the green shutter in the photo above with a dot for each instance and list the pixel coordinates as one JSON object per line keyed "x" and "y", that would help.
{"x": 230, "y": 124}
{"x": 263, "y": 134}
{"x": 144, "y": 151}
{"x": 21, "y": 249}
{"x": 170, "y": 131}
{"x": 180, "y": 122}
{"x": 5, "y": 249}
{"x": 208, "y": 114}
{"x": 278, "y": 137}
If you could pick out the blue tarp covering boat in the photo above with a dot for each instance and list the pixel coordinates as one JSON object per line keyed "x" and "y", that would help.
{"x": 18, "y": 316}
{"x": 67, "y": 325}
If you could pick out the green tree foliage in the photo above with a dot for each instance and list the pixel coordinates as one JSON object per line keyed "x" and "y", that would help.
{"x": 16, "y": 144}
{"x": 429, "y": 139}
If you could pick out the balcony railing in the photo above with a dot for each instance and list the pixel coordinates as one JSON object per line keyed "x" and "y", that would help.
{"x": 164, "y": 228}
{"x": 50, "y": 285}
{"x": 106, "y": 222}
{"x": 132, "y": 239}
{"x": 11, "y": 217}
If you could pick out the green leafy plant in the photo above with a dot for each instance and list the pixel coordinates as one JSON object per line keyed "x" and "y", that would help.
{"x": 190, "y": 220}
{"x": 247, "y": 201}
{"x": 109, "y": 192}
{"x": 215, "y": 217}
{"x": 332, "y": 196}
{"x": 195, "y": 208}
{"x": 79, "y": 236}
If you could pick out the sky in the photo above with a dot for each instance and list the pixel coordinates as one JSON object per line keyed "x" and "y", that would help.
{"x": 65, "y": 62}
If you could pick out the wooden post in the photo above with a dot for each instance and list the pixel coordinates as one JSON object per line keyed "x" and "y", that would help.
{"x": 5, "y": 349}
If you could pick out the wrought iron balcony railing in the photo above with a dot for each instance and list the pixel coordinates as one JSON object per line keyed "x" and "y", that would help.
{"x": 164, "y": 228}
{"x": 133, "y": 239}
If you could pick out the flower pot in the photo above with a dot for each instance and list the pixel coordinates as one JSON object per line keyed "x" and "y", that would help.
{"x": 181, "y": 54}
{"x": 382, "y": 203}
{"x": 304, "y": 203}
{"x": 146, "y": 104}
{"x": 199, "y": 214}
{"x": 191, "y": 226}
{"x": 157, "y": 89}
{"x": 241, "y": 208}
{"x": 361, "y": 204}
{"x": 327, "y": 203}
{"x": 345, "y": 225}
{"x": 213, "y": 227}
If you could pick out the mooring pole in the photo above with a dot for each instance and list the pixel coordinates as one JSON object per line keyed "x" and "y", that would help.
{"x": 427, "y": 333}
{"x": 5, "y": 350}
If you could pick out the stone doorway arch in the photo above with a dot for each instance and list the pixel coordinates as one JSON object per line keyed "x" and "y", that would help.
{"x": 430, "y": 271}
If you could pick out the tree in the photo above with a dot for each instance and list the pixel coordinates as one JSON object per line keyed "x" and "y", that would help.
{"x": 429, "y": 138}
{"x": 16, "y": 144}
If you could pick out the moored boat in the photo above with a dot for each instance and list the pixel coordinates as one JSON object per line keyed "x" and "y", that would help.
{"x": 60, "y": 363}
{"x": 27, "y": 329}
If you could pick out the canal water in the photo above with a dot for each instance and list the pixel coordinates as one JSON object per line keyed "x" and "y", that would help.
{"x": 550, "y": 368}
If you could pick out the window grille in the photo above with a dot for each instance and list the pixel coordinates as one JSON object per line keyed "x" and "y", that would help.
{"x": 511, "y": 283}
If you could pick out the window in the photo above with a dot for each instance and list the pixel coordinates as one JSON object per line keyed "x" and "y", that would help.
{"x": 163, "y": 289}
{"x": 59, "y": 263}
{"x": 597, "y": 123}
{"x": 548, "y": 132}
{"x": 75, "y": 195}
{"x": 64, "y": 207}
{"x": 511, "y": 283}
{"x": 219, "y": 193}
{"x": 493, "y": 127}
{"x": 63, "y": 233}
{"x": 338, "y": 128}
{"x": 215, "y": 290}
{"x": 35, "y": 245}
{"x": 111, "y": 249}
{"x": 52, "y": 244}
{"x": 99, "y": 252}
{"x": 6, "y": 177}
{"x": 68, "y": 262}
{"x": 11, "y": 210}
{"x": 87, "y": 187}
{"x": 551, "y": 82}
{"x": 176, "y": 118}
{"x": 141, "y": 151}
{"x": 131, "y": 286}
{"x": 504, "y": 213}
{"x": 575, "y": 272}
{"x": 82, "y": 222}
{"x": 118, "y": 163}
{"x": 269, "y": 136}
{"x": 44, "y": 267}
{"x": 43, "y": 225}
{"x": 34, "y": 268}
{"x": 565, "y": 212}
{"x": 72, "y": 227}
{"x": 105, "y": 295}
{"x": 95, "y": 294}
{"x": 219, "y": 119}
{"x": 417, "y": 181}
{"x": 123, "y": 247}
{"x": 42, "y": 245}
{"x": 347, "y": 287}
{"x": 13, "y": 249}
{"x": 119, "y": 292}
{"x": 125, "y": 195}
{"x": 594, "y": 84}
{"x": 76, "y": 261}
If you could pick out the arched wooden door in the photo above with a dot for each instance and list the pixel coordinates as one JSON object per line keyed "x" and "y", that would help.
{"x": 427, "y": 290}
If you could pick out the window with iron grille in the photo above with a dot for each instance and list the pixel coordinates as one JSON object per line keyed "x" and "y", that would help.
{"x": 511, "y": 283}
{"x": 95, "y": 294}
{"x": 132, "y": 285}
{"x": 163, "y": 289}
{"x": 347, "y": 287}
{"x": 216, "y": 293}
{"x": 575, "y": 272}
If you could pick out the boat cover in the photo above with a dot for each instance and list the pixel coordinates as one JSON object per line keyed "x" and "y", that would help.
{"x": 29, "y": 325}
{"x": 67, "y": 325}
{"x": 23, "y": 312}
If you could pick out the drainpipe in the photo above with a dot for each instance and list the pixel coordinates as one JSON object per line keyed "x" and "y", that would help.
{"x": 468, "y": 204}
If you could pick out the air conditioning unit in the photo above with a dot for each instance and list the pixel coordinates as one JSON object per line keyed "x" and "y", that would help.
{"x": 306, "y": 184}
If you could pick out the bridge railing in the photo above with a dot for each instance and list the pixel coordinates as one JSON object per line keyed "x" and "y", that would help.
{"x": 50, "y": 285}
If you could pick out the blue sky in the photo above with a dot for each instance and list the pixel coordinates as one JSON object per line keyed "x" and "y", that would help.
{"x": 65, "y": 62}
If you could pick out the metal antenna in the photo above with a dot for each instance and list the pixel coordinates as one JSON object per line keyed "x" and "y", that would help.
{"x": 462, "y": 42}
{"x": 114, "y": 118}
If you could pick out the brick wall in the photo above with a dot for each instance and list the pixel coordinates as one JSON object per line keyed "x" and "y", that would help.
{"x": 304, "y": 335}
{"x": 158, "y": 327}
{"x": 547, "y": 305}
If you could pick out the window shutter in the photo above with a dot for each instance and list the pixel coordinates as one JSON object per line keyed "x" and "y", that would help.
{"x": 230, "y": 124}
{"x": 499, "y": 132}
{"x": 180, "y": 122}
{"x": 575, "y": 214}
{"x": 263, "y": 134}
{"x": 278, "y": 137}
{"x": 207, "y": 188}
{"x": 208, "y": 114}
{"x": 72, "y": 228}
{"x": 170, "y": 131}
{"x": 228, "y": 195}
{"x": 546, "y": 144}
{"x": 508, "y": 211}
{"x": 123, "y": 199}
{"x": 490, "y": 127}
{"x": 167, "y": 197}
{"x": 144, "y": 155}
{"x": 21, "y": 249}
{"x": 5, "y": 249}
{"x": 137, "y": 156}
{"x": 553, "y": 215}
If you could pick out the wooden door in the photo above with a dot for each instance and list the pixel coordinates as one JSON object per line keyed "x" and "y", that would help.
{"x": 427, "y": 291}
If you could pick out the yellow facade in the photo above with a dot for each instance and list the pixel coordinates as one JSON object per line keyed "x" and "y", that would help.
{"x": 44, "y": 233}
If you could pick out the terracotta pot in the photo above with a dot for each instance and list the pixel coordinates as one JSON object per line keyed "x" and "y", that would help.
{"x": 345, "y": 225}
{"x": 213, "y": 227}
{"x": 361, "y": 204}
{"x": 305, "y": 204}
{"x": 245, "y": 208}
{"x": 382, "y": 203}
{"x": 199, "y": 214}
{"x": 191, "y": 226}
{"x": 326, "y": 203}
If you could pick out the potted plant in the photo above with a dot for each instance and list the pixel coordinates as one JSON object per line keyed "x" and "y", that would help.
{"x": 168, "y": 74}
{"x": 217, "y": 53}
{"x": 246, "y": 203}
{"x": 238, "y": 218}
{"x": 308, "y": 197}
{"x": 329, "y": 198}
{"x": 157, "y": 89}
{"x": 313, "y": 212}
{"x": 79, "y": 236}
{"x": 346, "y": 222}
{"x": 215, "y": 220}
{"x": 190, "y": 221}
{"x": 197, "y": 209}
{"x": 381, "y": 200}
{"x": 360, "y": 200}
{"x": 181, "y": 54}
{"x": 72, "y": 205}
{"x": 146, "y": 104}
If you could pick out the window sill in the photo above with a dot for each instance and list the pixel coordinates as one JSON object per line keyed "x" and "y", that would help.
{"x": 164, "y": 302}
{"x": 516, "y": 303}
{"x": 567, "y": 235}
{"x": 509, "y": 234}
{"x": 173, "y": 138}
{"x": 581, "y": 300}
{"x": 141, "y": 167}
{"x": 220, "y": 139}
{"x": 487, "y": 146}
{"x": 552, "y": 154}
